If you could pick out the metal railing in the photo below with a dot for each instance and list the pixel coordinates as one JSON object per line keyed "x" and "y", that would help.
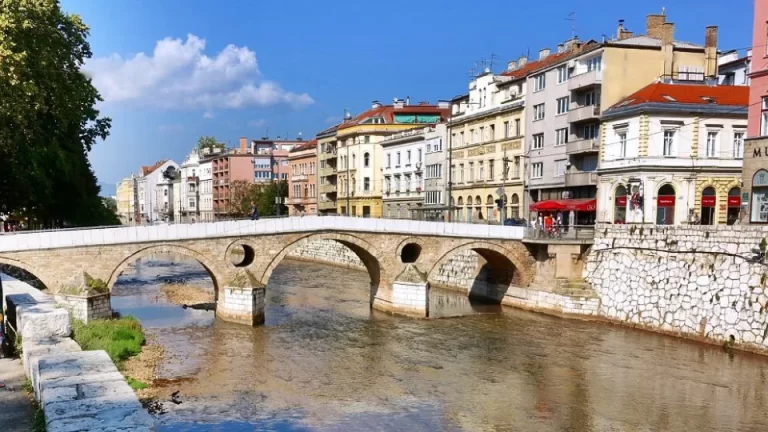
{"x": 566, "y": 233}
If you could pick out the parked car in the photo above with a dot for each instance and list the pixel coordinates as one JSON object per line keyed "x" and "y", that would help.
{"x": 515, "y": 222}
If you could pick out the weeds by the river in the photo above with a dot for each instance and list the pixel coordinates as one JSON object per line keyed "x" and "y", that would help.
{"x": 136, "y": 384}
{"x": 120, "y": 338}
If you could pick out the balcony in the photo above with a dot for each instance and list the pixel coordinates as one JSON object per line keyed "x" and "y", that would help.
{"x": 584, "y": 113}
{"x": 299, "y": 178}
{"x": 328, "y": 155}
{"x": 580, "y": 178}
{"x": 585, "y": 80}
{"x": 328, "y": 188}
{"x": 327, "y": 172}
{"x": 326, "y": 205}
{"x": 582, "y": 146}
{"x": 297, "y": 200}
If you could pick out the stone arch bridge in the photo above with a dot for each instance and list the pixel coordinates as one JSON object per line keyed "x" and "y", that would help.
{"x": 401, "y": 256}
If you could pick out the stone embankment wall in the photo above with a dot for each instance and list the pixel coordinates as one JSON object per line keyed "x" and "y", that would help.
{"x": 697, "y": 282}
{"x": 458, "y": 272}
{"x": 86, "y": 308}
{"x": 77, "y": 390}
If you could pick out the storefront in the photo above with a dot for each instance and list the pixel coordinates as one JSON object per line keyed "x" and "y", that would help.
{"x": 708, "y": 204}
{"x": 665, "y": 205}
{"x": 734, "y": 205}
{"x": 620, "y": 205}
{"x": 759, "y": 202}
{"x": 574, "y": 211}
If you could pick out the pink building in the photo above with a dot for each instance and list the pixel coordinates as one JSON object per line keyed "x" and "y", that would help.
{"x": 270, "y": 159}
{"x": 754, "y": 196}
{"x": 302, "y": 186}
{"x": 227, "y": 168}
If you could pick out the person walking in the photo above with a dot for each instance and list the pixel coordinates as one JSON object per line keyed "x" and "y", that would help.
{"x": 255, "y": 213}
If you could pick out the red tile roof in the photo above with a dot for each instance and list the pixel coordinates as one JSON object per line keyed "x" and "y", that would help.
{"x": 306, "y": 146}
{"x": 149, "y": 169}
{"x": 537, "y": 65}
{"x": 688, "y": 94}
{"x": 387, "y": 112}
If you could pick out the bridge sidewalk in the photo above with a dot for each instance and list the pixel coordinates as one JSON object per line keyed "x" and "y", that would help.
{"x": 16, "y": 409}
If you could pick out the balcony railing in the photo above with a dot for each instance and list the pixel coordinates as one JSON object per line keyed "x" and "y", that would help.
{"x": 583, "y": 113}
{"x": 582, "y": 178}
{"x": 577, "y": 234}
{"x": 328, "y": 188}
{"x": 582, "y": 146}
{"x": 584, "y": 80}
{"x": 299, "y": 178}
{"x": 328, "y": 171}
{"x": 326, "y": 205}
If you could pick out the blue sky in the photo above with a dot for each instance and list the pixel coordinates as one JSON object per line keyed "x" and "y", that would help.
{"x": 294, "y": 66}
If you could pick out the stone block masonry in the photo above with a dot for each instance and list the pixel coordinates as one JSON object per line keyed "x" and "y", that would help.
{"x": 693, "y": 281}
{"x": 86, "y": 308}
{"x": 243, "y": 305}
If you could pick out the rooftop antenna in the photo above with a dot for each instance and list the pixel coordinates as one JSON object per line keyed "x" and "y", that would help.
{"x": 663, "y": 10}
{"x": 492, "y": 61}
{"x": 266, "y": 135}
{"x": 572, "y": 19}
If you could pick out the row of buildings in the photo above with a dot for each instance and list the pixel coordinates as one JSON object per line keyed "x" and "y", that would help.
{"x": 634, "y": 128}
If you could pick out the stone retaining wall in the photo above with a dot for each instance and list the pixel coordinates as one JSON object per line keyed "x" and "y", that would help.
{"x": 693, "y": 281}
{"x": 77, "y": 390}
{"x": 86, "y": 308}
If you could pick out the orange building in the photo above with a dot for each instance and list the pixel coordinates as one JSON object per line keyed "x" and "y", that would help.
{"x": 302, "y": 179}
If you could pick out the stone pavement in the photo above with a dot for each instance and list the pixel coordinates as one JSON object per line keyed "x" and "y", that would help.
{"x": 15, "y": 406}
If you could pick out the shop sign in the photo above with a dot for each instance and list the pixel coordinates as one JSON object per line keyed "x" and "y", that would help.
{"x": 734, "y": 201}
{"x": 665, "y": 201}
{"x": 621, "y": 201}
{"x": 708, "y": 201}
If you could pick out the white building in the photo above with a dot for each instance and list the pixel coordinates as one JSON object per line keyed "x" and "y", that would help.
{"x": 205, "y": 186}
{"x": 147, "y": 185}
{"x": 188, "y": 209}
{"x": 671, "y": 153}
{"x": 403, "y": 173}
{"x": 732, "y": 69}
{"x": 166, "y": 200}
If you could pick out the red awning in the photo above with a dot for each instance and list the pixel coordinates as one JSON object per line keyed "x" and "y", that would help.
{"x": 584, "y": 204}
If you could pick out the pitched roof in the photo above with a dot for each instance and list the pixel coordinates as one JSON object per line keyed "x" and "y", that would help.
{"x": 149, "y": 169}
{"x": 387, "y": 112}
{"x": 306, "y": 146}
{"x": 552, "y": 59}
{"x": 700, "y": 94}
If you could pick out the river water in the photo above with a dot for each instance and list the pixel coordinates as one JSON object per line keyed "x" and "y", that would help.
{"x": 325, "y": 362}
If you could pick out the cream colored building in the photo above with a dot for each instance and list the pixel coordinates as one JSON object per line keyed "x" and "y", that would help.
{"x": 360, "y": 156}
{"x": 487, "y": 128}
{"x": 126, "y": 200}
{"x": 327, "y": 178}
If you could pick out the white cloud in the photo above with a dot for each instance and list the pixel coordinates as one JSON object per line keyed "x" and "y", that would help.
{"x": 208, "y": 115}
{"x": 257, "y": 123}
{"x": 178, "y": 75}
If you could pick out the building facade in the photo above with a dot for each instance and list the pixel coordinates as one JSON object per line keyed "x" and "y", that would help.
{"x": 733, "y": 69}
{"x": 126, "y": 200}
{"x": 270, "y": 158}
{"x": 327, "y": 181}
{"x": 486, "y": 148}
{"x": 435, "y": 173}
{"x": 302, "y": 183}
{"x": 146, "y": 190}
{"x": 166, "y": 199}
{"x": 671, "y": 154}
{"x": 403, "y": 173}
{"x": 188, "y": 194}
{"x": 360, "y": 157}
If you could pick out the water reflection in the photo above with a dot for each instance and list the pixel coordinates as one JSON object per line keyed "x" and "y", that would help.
{"x": 325, "y": 361}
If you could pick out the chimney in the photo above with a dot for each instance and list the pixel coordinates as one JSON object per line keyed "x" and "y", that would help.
{"x": 560, "y": 48}
{"x": 710, "y": 52}
{"x": 620, "y": 30}
{"x": 625, "y": 34}
{"x": 543, "y": 53}
{"x": 511, "y": 65}
{"x": 522, "y": 61}
{"x": 443, "y": 104}
{"x": 243, "y": 145}
{"x": 407, "y": 100}
{"x": 375, "y": 104}
{"x": 667, "y": 33}
{"x": 654, "y": 24}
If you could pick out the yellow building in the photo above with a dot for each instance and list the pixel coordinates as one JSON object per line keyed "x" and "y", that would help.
{"x": 486, "y": 139}
{"x": 327, "y": 181}
{"x": 126, "y": 193}
{"x": 360, "y": 156}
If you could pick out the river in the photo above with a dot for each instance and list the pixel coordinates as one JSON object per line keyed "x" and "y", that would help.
{"x": 324, "y": 361}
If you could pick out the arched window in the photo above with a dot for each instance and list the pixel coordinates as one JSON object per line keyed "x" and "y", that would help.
{"x": 759, "y": 207}
{"x": 478, "y": 201}
{"x": 489, "y": 199}
{"x": 620, "y": 205}
{"x": 734, "y": 205}
{"x": 353, "y": 160}
{"x": 708, "y": 203}
{"x": 515, "y": 207}
{"x": 461, "y": 201}
{"x": 366, "y": 160}
{"x": 665, "y": 205}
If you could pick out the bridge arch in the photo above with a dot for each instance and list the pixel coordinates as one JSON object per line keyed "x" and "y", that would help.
{"x": 370, "y": 256}
{"x": 49, "y": 284}
{"x": 206, "y": 262}
{"x": 502, "y": 268}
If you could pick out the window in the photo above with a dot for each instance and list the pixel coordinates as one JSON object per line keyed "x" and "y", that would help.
{"x": 491, "y": 173}
{"x": 481, "y": 169}
{"x": 419, "y": 156}
{"x": 562, "y": 74}
{"x": 669, "y": 142}
{"x": 408, "y": 154}
{"x": 366, "y": 139}
{"x": 453, "y": 172}
{"x": 506, "y": 129}
{"x": 595, "y": 64}
{"x": 560, "y": 167}
{"x": 622, "y": 144}
{"x": 366, "y": 160}
{"x": 492, "y": 132}
{"x": 434, "y": 171}
{"x": 471, "y": 136}
{"x": 591, "y": 131}
{"x": 738, "y": 145}
{"x": 517, "y": 127}
{"x": 433, "y": 197}
{"x": 590, "y": 98}
{"x": 398, "y": 160}
{"x": 620, "y": 205}
{"x": 562, "y": 105}
{"x": 538, "y": 112}
{"x": 471, "y": 171}
{"x": 764, "y": 118}
{"x": 539, "y": 82}
{"x": 461, "y": 138}
{"x": 482, "y": 134}
{"x": 389, "y": 160}
{"x": 366, "y": 183}
{"x": 665, "y": 205}
{"x": 561, "y": 136}
{"x": 712, "y": 144}
{"x": 353, "y": 161}
{"x": 537, "y": 170}
{"x": 461, "y": 173}
{"x": 538, "y": 141}
{"x": 191, "y": 202}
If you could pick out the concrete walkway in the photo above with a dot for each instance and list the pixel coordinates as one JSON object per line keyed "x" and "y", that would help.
{"x": 15, "y": 406}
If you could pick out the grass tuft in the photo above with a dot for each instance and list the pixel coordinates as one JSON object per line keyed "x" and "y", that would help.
{"x": 120, "y": 338}
{"x": 136, "y": 384}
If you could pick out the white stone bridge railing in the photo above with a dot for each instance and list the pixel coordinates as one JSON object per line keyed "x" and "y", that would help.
{"x": 34, "y": 240}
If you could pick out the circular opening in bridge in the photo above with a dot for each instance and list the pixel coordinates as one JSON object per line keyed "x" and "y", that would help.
{"x": 241, "y": 255}
{"x": 410, "y": 253}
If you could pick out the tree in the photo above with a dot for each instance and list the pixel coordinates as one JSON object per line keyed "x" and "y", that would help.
{"x": 48, "y": 123}
{"x": 243, "y": 196}
{"x": 210, "y": 143}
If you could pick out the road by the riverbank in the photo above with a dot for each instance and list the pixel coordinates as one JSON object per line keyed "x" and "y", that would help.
{"x": 16, "y": 409}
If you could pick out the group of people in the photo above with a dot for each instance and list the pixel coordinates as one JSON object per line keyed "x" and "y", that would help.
{"x": 548, "y": 225}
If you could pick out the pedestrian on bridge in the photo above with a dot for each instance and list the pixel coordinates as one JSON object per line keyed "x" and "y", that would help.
{"x": 255, "y": 213}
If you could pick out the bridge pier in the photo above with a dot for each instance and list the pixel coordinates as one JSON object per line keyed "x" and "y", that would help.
{"x": 242, "y": 300}
{"x": 410, "y": 293}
